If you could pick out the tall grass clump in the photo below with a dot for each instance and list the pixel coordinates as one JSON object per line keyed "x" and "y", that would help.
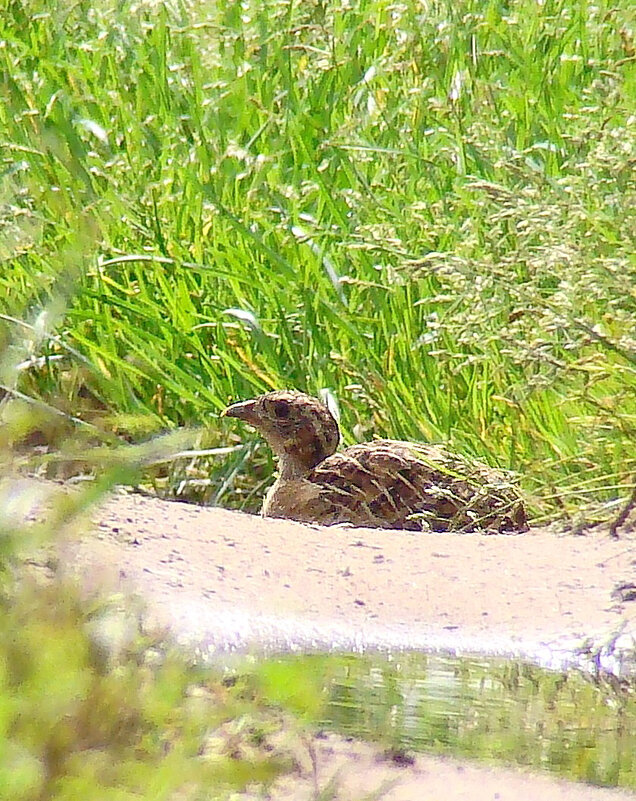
{"x": 426, "y": 207}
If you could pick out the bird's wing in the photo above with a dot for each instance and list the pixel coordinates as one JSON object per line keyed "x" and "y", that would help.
{"x": 394, "y": 484}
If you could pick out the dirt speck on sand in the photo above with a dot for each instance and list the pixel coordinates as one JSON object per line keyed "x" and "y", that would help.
{"x": 223, "y": 579}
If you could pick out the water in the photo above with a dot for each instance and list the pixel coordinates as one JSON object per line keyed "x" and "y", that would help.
{"x": 500, "y": 711}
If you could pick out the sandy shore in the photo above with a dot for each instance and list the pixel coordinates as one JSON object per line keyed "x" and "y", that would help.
{"x": 225, "y": 580}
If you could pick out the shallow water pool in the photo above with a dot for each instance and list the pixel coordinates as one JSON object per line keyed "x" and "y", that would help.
{"x": 498, "y": 711}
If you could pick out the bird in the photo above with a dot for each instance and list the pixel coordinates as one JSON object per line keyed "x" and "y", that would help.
{"x": 384, "y": 483}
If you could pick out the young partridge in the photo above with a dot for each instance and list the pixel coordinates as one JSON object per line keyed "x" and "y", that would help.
{"x": 383, "y": 484}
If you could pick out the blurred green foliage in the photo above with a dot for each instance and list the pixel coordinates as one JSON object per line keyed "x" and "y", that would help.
{"x": 95, "y": 703}
{"x": 78, "y": 723}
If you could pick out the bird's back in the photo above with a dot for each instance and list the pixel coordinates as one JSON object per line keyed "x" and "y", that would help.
{"x": 393, "y": 484}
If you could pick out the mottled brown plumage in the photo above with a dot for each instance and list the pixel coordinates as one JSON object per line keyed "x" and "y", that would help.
{"x": 383, "y": 484}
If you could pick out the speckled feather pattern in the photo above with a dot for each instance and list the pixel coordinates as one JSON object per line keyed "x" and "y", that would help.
{"x": 392, "y": 484}
{"x": 381, "y": 484}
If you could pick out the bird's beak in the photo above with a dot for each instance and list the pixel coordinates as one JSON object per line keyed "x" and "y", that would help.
{"x": 243, "y": 411}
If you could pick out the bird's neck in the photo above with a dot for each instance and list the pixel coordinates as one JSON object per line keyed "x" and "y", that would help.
{"x": 291, "y": 466}
{"x": 297, "y": 456}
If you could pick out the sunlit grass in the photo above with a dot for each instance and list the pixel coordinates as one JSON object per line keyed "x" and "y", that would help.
{"x": 426, "y": 207}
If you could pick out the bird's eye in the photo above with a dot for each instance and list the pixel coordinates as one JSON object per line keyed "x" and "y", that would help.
{"x": 281, "y": 410}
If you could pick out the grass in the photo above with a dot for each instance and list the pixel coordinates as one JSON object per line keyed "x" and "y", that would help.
{"x": 427, "y": 208}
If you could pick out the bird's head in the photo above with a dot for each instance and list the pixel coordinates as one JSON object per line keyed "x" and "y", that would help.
{"x": 298, "y": 428}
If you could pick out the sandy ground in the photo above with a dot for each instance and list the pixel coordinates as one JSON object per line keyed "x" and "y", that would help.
{"x": 223, "y": 580}
{"x": 360, "y": 772}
